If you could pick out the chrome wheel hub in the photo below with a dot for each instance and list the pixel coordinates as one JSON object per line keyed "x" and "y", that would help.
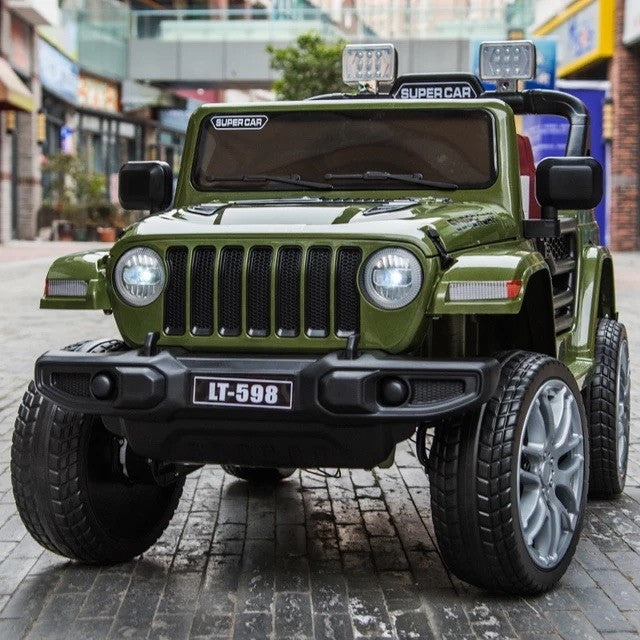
{"x": 623, "y": 405}
{"x": 550, "y": 475}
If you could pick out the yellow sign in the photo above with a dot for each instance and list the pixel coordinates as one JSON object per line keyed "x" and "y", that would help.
{"x": 585, "y": 34}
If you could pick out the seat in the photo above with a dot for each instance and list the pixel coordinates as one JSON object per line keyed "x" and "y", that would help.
{"x": 530, "y": 205}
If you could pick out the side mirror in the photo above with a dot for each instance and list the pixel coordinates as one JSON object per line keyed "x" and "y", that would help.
{"x": 568, "y": 183}
{"x": 145, "y": 185}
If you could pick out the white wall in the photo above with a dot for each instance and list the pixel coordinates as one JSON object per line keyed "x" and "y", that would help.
{"x": 545, "y": 9}
{"x": 36, "y": 12}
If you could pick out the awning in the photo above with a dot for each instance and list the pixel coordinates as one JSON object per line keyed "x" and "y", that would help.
{"x": 13, "y": 92}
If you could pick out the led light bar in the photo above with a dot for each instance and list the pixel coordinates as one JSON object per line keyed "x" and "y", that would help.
{"x": 365, "y": 63}
{"x": 66, "y": 288}
{"x": 508, "y": 60}
{"x": 484, "y": 290}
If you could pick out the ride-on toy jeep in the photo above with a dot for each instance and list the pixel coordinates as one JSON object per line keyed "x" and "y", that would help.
{"x": 336, "y": 276}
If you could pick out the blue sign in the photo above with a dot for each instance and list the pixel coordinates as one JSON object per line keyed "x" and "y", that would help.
{"x": 545, "y": 70}
{"x": 57, "y": 72}
{"x": 66, "y": 139}
{"x": 178, "y": 119}
{"x": 548, "y": 135}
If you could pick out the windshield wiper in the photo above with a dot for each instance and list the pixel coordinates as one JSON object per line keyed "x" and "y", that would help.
{"x": 412, "y": 178}
{"x": 291, "y": 179}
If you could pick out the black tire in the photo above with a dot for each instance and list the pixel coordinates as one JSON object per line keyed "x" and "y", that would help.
{"x": 66, "y": 491}
{"x": 608, "y": 462}
{"x": 474, "y": 489}
{"x": 258, "y": 475}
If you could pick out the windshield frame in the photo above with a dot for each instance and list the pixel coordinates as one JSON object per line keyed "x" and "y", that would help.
{"x": 364, "y": 185}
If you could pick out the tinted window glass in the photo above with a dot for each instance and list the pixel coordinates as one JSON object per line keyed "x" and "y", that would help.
{"x": 443, "y": 146}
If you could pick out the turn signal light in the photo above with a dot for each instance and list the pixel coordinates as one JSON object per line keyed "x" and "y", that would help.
{"x": 484, "y": 290}
{"x": 66, "y": 288}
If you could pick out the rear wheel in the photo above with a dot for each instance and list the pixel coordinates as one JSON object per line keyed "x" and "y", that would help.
{"x": 259, "y": 475}
{"x": 508, "y": 487}
{"x": 71, "y": 495}
{"x": 608, "y": 399}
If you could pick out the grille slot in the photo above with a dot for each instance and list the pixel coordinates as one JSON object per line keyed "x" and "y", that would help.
{"x": 288, "y": 292}
{"x": 73, "y": 384}
{"x": 202, "y": 291}
{"x": 175, "y": 305}
{"x": 230, "y": 291}
{"x": 259, "y": 292}
{"x": 317, "y": 292}
{"x": 347, "y": 296}
{"x": 425, "y": 392}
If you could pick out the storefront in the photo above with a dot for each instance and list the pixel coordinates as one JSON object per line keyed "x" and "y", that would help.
{"x": 585, "y": 35}
{"x": 19, "y": 178}
{"x": 83, "y": 118}
{"x": 599, "y": 41}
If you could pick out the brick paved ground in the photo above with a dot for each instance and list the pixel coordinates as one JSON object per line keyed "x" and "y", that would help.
{"x": 344, "y": 558}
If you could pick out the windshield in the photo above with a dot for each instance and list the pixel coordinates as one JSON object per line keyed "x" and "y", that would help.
{"x": 373, "y": 148}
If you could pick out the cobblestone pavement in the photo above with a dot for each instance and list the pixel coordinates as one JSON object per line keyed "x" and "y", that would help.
{"x": 342, "y": 558}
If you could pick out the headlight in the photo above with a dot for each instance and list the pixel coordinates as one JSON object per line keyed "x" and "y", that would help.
{"x": 392, "y": 278}
{"x": 139, "y": 276}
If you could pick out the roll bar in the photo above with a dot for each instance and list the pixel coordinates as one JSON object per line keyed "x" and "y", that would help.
{"x": 529, "y": 102}
{"x": 548, "y": 102}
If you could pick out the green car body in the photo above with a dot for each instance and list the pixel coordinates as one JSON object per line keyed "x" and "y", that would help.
{"x": 482, "y": 229}
{"x": 334, "y": 277}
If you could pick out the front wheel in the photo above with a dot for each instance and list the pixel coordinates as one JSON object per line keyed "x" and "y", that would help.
{"x": 508, "y": 487}
{"x": 69, "y": 493}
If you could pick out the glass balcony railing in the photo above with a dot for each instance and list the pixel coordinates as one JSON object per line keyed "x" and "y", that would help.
{"x": 277, "y": 24}
{"x": 104, "y": 28}
{"x": 101, "y": 31}
{"x": 264, "y": 25}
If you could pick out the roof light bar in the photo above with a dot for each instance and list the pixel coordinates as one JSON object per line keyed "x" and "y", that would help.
{"x": 484, "y": 290}
{"x": 506, "y": 62}
{"x": 367, "y": 65}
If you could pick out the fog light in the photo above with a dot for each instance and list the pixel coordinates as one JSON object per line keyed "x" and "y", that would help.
{"x": 393, "y": 392}
{"x": 102, "y": 386}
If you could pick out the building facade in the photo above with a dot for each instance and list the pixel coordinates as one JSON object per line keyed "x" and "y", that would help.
{"x": 63, "y": 91}
{"x": 625, "y": 82}
{"x": 599, "y": 41}
{"x": 20, "y": 95}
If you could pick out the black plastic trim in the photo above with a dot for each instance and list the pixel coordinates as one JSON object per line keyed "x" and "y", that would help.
{"x": 326, "y": 389}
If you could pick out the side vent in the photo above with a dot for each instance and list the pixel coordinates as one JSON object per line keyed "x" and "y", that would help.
{"x": 560, "y": 255}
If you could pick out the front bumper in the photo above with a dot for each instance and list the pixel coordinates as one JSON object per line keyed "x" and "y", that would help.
{"x": 338, "y": 410}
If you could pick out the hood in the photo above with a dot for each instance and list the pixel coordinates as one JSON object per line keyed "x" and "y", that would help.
{"x": 460, "y": 224}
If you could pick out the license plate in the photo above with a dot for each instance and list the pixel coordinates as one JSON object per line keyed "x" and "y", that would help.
{"x": 243, "y": 392}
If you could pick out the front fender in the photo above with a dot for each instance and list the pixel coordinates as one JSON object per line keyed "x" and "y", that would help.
{"x": 507, "y": 261}
{"x": 595, "y": 297}
{"x": 87, "y": 266}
